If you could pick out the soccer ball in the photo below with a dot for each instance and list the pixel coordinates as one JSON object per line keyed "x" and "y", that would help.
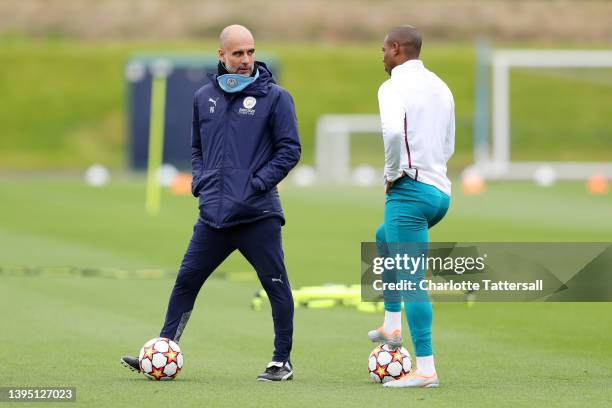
{"x": 160, "y": 359}
{"x": 388, "y": 364}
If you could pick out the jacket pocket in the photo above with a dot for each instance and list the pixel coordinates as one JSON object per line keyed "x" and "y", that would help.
{"x": 196, "y": 186}
{"x": 205, "y": 183}
{"x": 253, "y": 192}
{"x": 239, "y": 185}
{"x": 241, "y": 200}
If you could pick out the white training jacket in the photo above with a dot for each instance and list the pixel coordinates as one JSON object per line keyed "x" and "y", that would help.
{"x": 417, "y": 113}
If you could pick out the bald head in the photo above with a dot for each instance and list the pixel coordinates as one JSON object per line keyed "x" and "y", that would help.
{"x": 403, "y": 43}
{"x": 233, "y": 33}
{"x": 237, "y": 49}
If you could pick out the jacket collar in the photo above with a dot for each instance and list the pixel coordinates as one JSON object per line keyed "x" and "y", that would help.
{"x": 410, "y": 64}
{"x": 258, "y": 88}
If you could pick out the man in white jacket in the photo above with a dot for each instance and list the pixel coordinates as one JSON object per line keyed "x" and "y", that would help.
{"x": 418, "y": 126}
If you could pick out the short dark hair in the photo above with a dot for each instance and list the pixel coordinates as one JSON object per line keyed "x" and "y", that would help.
{"x": 407, "y": 37}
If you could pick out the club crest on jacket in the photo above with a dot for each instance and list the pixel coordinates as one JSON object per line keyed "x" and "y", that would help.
{"x": 249, "y": 102}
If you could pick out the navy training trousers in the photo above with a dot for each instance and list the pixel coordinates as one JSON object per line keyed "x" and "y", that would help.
{"x": 260, "y": 243}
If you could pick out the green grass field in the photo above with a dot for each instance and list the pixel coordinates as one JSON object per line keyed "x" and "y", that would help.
{"x": 71, "y": 331}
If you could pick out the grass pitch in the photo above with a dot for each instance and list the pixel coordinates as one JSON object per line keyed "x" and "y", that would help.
{"x": 71, "y": 331}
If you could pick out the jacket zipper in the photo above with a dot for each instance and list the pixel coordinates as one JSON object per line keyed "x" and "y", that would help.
{"x": 229, "y": 102}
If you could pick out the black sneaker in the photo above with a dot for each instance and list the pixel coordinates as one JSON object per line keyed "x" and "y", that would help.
{"x": 131, "y": 363}
{"x": 276, "y": 371}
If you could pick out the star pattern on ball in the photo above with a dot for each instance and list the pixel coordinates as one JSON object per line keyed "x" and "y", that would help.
{"x": 381, "y": 372}
{"x": 148, "y": 352}
{"x": 171, "y": 356}
{"x": 158, "y": 373}
{"x": 397, "y": 356}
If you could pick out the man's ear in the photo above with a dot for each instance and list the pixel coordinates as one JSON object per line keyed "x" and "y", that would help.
{"x": 396, "y": 48}
{"x": 221, "y": 55}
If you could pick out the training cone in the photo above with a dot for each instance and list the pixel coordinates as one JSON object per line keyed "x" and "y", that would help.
{"x": 598, "y": 184}
{"x": 181, "y": 184}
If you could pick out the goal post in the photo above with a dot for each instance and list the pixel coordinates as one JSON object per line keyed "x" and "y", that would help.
{"x": 332, "y": 144}
{"x": 498, "y": 164}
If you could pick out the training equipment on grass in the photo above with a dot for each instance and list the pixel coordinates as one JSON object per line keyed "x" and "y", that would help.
{"x": 181, "y": 184}
{"x": 364, "y": 175}
{"x": 303, "y": 176}
{"x": 387, "y": 364}
{"x": 598, "y": 184}
{"x": 166, "y": 174}
{"x": 472, "y": 182}
{"x": 324, "y": 297}
{"x": 160, "y": 359}
{"x": 332, "y": 295}
{"x": 160, "y": 71}
{"x": 545, "y": 176}
{"x": 97, "y": 175}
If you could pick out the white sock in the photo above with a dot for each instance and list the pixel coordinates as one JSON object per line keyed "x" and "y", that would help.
{"x": 393, "y": 321}
{"x": 425, "y": 365}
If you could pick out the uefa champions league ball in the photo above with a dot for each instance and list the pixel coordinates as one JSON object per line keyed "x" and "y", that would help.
{"x": 160, "y": 359}
{"x": 387, "y": 364}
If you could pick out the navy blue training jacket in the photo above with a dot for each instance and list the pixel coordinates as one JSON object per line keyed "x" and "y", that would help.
{"x": 243, "y": 145}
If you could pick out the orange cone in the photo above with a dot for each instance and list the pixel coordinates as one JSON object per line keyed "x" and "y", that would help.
{"x": 182, "y": 184}
{"x": 598, "y": 184}
{"x": 472, "y": 183}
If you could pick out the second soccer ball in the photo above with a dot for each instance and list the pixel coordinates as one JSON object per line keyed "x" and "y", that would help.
{"x": 160, "y": 359}
{"x": 386, "y": 363}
